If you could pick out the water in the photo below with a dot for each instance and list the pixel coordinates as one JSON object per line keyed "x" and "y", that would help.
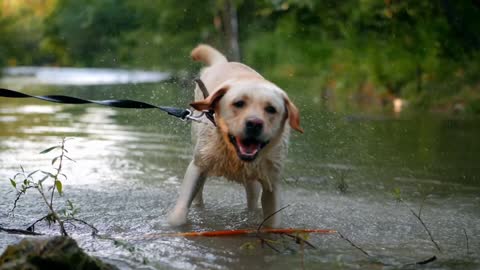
{"x": 340, "y": 175}
{"x": 79, "y": 76}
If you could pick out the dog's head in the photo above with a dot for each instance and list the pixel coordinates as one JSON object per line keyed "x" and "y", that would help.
{"x": 250, "y": 115}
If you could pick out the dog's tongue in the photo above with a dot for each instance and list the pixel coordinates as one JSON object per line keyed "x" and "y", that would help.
{"x": 248, "y": 147}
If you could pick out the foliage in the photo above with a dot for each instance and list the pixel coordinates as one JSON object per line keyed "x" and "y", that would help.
{"x": 385, "y": 49}
{"x": 422, "y": 51}
{"x": 21, "y": 32}
{"x": 126, "y": 33}
{"x": 47, "y": 184}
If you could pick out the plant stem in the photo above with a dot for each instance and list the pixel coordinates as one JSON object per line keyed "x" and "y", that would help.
{"x": 59, "y": 169}
{"x": 466, "y": 238}
{"x": 54, "y": 214}
{"x": 425, "y": 227}
{"x": 353, "y": 244}
{"x": 94, "y": 229}
{"x": 55, "y": 179}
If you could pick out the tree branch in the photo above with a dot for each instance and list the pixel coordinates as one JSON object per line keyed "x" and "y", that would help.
{"x": 426, "y": 229}
{"x": 19, "y": 231}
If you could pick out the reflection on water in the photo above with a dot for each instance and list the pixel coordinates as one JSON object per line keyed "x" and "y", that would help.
{"x": 129, "y": 164}
{"x": 78, "y": 76}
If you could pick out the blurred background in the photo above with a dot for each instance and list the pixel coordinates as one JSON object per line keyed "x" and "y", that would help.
{"x": 347, "y": 55}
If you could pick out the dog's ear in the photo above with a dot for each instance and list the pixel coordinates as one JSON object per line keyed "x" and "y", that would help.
{"x": 211, "y": 101}
{"x": 293, "y": 115}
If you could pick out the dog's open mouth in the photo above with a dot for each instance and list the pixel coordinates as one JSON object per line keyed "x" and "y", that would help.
{"x": 247, "y": 148}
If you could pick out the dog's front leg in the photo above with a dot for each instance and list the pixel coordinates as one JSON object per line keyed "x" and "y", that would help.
{"x": 192, "y": 183}
{"x": 270, "y": 203}
{"x": 252, "y": 190}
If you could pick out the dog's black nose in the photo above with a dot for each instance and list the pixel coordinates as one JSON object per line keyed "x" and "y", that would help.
{"x": 254, "y": 127}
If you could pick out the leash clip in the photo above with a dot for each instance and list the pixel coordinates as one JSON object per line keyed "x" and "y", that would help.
{"x": 191, "y": 116}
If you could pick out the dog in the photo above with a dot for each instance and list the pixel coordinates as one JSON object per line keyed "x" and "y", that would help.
{"x": 249, "y": 142}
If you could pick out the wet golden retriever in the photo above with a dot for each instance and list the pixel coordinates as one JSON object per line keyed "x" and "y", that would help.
{"x": 249, "y": 142}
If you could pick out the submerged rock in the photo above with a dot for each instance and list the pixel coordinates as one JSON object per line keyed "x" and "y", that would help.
{"x": 52, "y": 253}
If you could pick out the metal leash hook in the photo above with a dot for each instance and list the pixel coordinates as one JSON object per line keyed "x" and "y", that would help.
{"x": 191, "y": 116}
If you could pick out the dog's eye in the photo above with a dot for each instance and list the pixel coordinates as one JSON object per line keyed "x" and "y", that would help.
{"x": 270, "y": 109}
{"x": 239, "y": 104}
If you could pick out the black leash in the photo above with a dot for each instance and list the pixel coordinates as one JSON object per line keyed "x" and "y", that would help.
{"x": 118, "y": 103}
{"x": 183, "y": 114}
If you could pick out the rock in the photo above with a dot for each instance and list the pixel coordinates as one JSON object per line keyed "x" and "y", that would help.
{"x": 51, "y": 253}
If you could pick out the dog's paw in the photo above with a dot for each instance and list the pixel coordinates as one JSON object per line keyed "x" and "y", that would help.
{"x": 177, "y": 217}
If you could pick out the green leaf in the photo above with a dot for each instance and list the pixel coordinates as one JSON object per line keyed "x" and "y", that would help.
{"x": 32, "y": 173}
{"x": 59, "y": 186}
{"x": 14, "y": 184}
{"x": 55, "y": 159}
{"x": 49, "y": 149}
{"x": 397, "y": 194}
{"x": 69, "y": 158}
{"x": 15, "y": 176}
{"x": 248, "y": 246}
{"x": 43, "y": 179}
{"x": 48, "y": 174}
{"x": 50, "y": 218}
{"x": 70, "y": 204}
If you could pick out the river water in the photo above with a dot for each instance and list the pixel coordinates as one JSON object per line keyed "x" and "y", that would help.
{"x": 340, "y": 175}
